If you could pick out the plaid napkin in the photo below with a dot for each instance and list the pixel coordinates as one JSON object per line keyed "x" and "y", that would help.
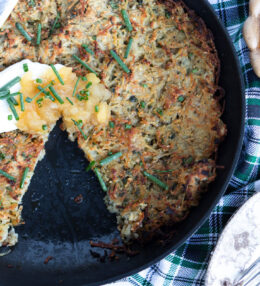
{"x": 188, "y": 264}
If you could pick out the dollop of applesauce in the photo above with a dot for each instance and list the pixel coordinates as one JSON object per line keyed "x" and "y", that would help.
{"x": 88, "y": 105}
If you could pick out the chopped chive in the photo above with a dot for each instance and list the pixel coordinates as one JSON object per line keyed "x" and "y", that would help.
{"x": 80, "y": 129}
{"x": 80, "y": 123}
{"x": 4, "y": 93}
{"x": 75, "y": 87}
{"x": 9, "y": 95}
{"x": 144, "y": 85}
{"x": 127, "y": 20}
{"x": 96, "y": 108}
{"x": 13, "y": 109}
{"x": 28, "y": 99}
{"x": 195, "y": 71}
{"x": 111, "y": 124}
{"x": 128, "y": 126}
{"x": 57, "y": 74}
{"x": 31, "y": 3}
{"x": 25, "y": 173}
{"x": 143, "y": 104}
{"x": 89, "y": 84}
{"x": 7, "y": 175}
{"x": 55, "y": 94}
{"x": 156, "y": 180}
{"x": 39, "y": 102}
{"x": 127, "y": 52}
{"x": 14, "y": 101}
{"x": 111, "y": 158}
{"x": 11, "y": 83}
{"x": 22, "y": 102}
{"x": 25, "y": 67}
{"x": 69, "y": 101}
{"x": 20, "y": 28}
{"x": 10, "y": 117}
{"x": 82, "y": 92}
{"x": 94, "y": 38}
{"x": 42, "y": 90}
{"x": 88, "y": 49}
{"x": 54, "y": 26}
{"x": 119, "y": 61}
{"x": 101, "y": 181}
{"x": 44, "y": 127}
{"x": 181, "y": 98}
{"x": 159, "y": 111}
{"x": 164, "y": 171}
{"x": 38, "y": 80}
{"x": 84, "y": 64}
{"x": 84, "y": 78}
{"x": 90, "y": 166}
{"x": 39, "y": 32}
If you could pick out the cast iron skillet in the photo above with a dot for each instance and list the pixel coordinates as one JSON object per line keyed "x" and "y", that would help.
{"x": 57, "y": 226}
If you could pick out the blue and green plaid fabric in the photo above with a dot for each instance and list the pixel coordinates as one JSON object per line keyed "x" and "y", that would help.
{"x": 188, "y": 264}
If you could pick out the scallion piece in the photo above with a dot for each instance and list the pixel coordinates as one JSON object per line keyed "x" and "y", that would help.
{"x": 156, "y": 180}
{"x": 12, "y": 109}
{"x": 80, "y": 129}
{"x": 128, "y": 126}
{"x": 38, "y": 80}
{"x": 44, "y": 127}
{"x": 119, "y": 61}
{"x": 25, "y": 173}
{"x": 25, "y": 67}
{"x": 20, "y": 28}
{"x": 84, "y": 78}
{"x": 9, "y": 95}
{"x": 42, "y": 90}
{"x": 88, "y": 85}
{"x": 127, "y": 20}
{"x": 181, "y": 98}
{"x": 11, "y": 83}
{"x": 127, "y": 52}
{"x": 55, "y": 94}
{"x": 111, "y": 158}
{"x": 57, "y": 74}
{"x": 69, "y": 101}
{"x": 4, "y": 93}
{"x": 96, "y": 108}
{"x": 101, "y": 181}
{"x": 54, "y": 26}
{"x": 3, "y": 173}
{"x": 88, "y": 49}
{"x": 75, "y": 87}
{"x": 10, "y": 117}
{"x": 84, "y": 64}
{"x": 90, "y": 166}
{"x": 39, "y": 34}
{"x": 22, "y": 102}
{"x": 143, "y": 104}
{"x": 14, "y": 101}
{"x": 111, "y": 124}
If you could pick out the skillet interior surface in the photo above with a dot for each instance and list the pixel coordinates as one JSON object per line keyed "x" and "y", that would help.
{"x": 57, "y": 226}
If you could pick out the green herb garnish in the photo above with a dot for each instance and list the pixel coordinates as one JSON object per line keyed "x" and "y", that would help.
{"x": 85, "y": 65}
{"x": 75, "y": 87}
{"x": 88, "y": 49}
{"x": 90, "y": 166}
{"x": 89, "y": 84}
{"x": 127, "y": 52}
{"x": 57, "y": 74}
{"x": 10, "y": 95}
{"x": 2, "y": 156}
{"x": 22, "y": 102}
{"x": 96, "y": 108}
{"x": 25, "y": 67}
{"x": 181, "y": 98}
{"x": 20, "y": 28}
{"x": 156, "y": 180}
{"x": 111, "y": 158}
{"x": 119, "y": 61}
{"x": 25, "y": 173}
{"x": 111, "y": 124}
{"x": 127, "y": 20}
{"x": 38, "y": 80}
{"x": 80, "y": 129}
{"x": 54, "y": 26}
{"x": 195, "y": 71}
{"x": 39, "y": 34}
{"x": 3, "y": 173}
{"x": 13, "y": 109}
{"x": 128, "y": 126}
{"x": 10, "y": 84}
{"x": 10, "y": 117}
{"x": 143, "y": 104}
{"x": 69, "y": 101}
{"x": 44, "y": 127}
{"x": 55, "y": 94}
{"x": 101, "y": 181}
{"x": 159, "y": 111}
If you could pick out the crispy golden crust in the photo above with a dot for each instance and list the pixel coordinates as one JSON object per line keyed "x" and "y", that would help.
{"x": 17, "y": 151}
{"x": 169, "y": 101}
